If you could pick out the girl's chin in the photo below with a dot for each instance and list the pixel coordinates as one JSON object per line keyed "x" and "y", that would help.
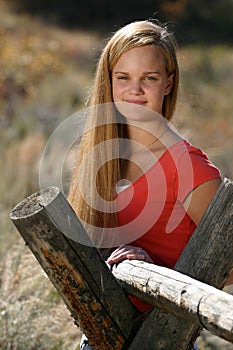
{"x": 137, "y": 112}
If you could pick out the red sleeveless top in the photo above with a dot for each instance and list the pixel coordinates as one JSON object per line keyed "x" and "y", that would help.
{"x": 151, "y": 213}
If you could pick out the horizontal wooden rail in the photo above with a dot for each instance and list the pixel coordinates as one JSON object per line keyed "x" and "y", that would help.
{"x": 178, "y": 294}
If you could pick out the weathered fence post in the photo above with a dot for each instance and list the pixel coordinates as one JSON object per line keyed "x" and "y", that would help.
{"x": 208, "y": 257}
{"x": 95, "y": 299}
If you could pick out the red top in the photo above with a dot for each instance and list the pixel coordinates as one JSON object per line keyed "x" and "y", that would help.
{"x": 152, "y": 213}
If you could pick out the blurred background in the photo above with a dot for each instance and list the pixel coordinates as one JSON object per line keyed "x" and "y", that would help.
{"x": 48, "y": 53}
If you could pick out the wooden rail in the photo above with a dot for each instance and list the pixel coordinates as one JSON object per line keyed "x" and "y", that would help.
{"x": 178, "y": 294}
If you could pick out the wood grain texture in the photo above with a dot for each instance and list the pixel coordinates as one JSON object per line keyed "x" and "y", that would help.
{"x": 92, "y": 294}
{"x": 179, "y": 295}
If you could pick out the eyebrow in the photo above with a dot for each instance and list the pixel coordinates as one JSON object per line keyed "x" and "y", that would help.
{"x": 147, "y": 72}
{"x": 119, "y": 72}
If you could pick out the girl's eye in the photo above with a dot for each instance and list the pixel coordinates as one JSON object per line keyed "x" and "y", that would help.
{"x": 123, "y": 77}
{"x": 149, "y": 78}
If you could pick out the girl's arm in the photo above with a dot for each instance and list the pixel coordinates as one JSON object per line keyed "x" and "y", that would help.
{"x": 199, "y": 199}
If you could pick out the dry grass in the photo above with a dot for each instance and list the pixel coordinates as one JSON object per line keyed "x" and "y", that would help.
{"x": 33, "y": 316}
{"x": 19, "y": 178}
{"x": 204, "y": 113}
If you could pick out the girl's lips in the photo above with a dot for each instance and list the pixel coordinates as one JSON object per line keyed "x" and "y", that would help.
{"x": 138, "y": 102}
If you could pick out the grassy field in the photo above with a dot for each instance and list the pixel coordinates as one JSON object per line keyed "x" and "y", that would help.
{"x": 45, "y": 75}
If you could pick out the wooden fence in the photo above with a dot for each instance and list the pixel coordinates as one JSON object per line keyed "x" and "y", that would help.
{"x": 184, "y": 300}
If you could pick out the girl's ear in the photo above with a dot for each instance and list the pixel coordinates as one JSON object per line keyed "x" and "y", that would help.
{"x": 169, "y": 84}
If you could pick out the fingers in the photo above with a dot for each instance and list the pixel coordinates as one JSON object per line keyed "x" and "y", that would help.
{"x": 128, "y": 252}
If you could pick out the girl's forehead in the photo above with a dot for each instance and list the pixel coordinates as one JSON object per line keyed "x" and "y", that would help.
{"x": 149, "y": 55}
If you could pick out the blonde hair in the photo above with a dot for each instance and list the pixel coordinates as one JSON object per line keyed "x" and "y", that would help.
{"x": 105, "y": 126}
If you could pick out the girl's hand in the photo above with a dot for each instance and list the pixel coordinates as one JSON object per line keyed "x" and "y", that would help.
{"x": 128, "y": 252}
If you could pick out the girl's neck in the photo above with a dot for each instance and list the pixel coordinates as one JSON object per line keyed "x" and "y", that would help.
{"x": 148, "y": 135}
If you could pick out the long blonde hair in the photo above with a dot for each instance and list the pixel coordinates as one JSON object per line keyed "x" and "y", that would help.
{"x": 89, "y": 184}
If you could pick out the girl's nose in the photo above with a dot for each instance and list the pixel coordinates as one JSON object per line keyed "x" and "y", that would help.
{"x": 135, "y": 87}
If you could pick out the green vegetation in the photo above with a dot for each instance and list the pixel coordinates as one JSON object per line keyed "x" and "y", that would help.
{"x": 45, "y": 76}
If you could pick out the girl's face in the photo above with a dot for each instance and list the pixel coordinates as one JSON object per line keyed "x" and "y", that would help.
{"x": 140, "y": 77}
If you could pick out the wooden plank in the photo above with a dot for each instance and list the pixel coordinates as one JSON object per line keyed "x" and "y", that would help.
{"x": 47, "y": 223}
{"x": 212, "y": 241}
{"x": 208, "y": 257}
{"x": 178, "y": 294}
